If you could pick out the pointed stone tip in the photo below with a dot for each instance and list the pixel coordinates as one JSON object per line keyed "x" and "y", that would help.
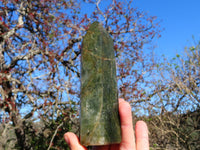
{"x": 96, "y": 25}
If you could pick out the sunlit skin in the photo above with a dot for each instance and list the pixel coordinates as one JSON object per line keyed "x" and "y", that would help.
{"x": 130, "y": 141}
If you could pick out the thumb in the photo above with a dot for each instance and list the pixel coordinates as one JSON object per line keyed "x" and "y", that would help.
{"x": 73, "y": 141}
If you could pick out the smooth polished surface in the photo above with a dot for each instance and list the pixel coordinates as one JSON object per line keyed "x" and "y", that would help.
{"x": 100, "y": 123}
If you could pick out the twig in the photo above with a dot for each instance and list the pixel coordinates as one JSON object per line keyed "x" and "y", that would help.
{"x": 54, "y": 135}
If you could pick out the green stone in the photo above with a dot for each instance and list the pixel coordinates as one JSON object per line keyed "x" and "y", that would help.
{"x": 100, "y": 122}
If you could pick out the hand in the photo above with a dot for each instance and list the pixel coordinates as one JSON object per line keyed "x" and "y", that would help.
{"x": 128, "y": 138}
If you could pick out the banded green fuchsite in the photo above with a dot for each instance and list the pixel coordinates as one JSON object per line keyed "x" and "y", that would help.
{"x": 100, "y": 123}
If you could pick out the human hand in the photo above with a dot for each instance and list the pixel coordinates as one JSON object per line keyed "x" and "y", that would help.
{"x": 139, "y": 141}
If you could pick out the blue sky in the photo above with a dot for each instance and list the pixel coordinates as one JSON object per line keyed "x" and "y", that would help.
{"x": 180, "y": 20}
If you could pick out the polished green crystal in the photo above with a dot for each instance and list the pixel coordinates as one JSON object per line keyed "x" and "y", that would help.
{"x": 100, "y": 123}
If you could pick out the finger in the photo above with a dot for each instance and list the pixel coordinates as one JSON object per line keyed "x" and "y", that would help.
{"x": 73, "y": 141}
{"x": 128, "y": 139}
{"x": 142, "y": 139}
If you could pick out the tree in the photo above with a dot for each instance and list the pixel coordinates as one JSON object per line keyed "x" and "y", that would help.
{"x": 176, "y": 98}
{"x": 40, "y": 48}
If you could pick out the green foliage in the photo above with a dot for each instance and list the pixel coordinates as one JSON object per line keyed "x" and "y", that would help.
{"x": 40, "y": 137}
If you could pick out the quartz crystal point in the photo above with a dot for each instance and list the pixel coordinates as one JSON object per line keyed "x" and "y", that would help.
{"x": 100, "y": 123}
